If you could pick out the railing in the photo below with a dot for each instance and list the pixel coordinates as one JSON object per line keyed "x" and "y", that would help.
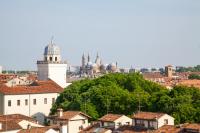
{"x": 51, "y": 62}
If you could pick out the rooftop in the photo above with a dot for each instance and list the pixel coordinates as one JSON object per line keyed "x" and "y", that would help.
{"x": 110, "y": 117}
{"x": 69, "y": 115}
{"x": 36, "y": 87}
{"x": 147, "y": 115}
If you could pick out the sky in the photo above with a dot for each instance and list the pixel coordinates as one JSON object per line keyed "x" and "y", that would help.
{"x": 137, "y": 33}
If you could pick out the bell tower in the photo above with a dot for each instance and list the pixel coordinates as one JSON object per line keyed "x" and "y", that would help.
{"x": 52, "y": 67}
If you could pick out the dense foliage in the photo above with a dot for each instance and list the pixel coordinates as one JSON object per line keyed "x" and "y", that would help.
{"x": 124, "y": 93}
{"x": 194, "y": 76}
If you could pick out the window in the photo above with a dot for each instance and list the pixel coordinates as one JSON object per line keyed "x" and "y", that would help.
{"x": 53, "y": 100}
{"x": 50, "y": 58}
{"x": 81, "y": 128}
{"x": 83, "y": 121}
{"x": 34, "y": 101}
{"x": 119, "y": 123}
{"x": 9, "y": 103}
{"x": 56, "y": 58}
{"x": 18, "y": 102}
{"x": 45, "y": 100}
{"x": 26, "y": 102}
{"x": 127, "y": 123}
{"x": 165, "y": 121}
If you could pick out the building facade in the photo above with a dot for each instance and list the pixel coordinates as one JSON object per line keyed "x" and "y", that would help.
{"x": 34, "y": 101}
{"x": 150, "y": 120}
{"x": 71, "y": 121}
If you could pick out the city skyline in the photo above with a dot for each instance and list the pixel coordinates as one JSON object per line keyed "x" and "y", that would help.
{"x": 133, "y": 33}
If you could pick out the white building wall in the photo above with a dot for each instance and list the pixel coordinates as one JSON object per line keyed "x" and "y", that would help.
{"x": 123, "y": 121}
{"x": 38, "y": 111}
{"x": 161, "y": 120}
{"x": 75, "y": 123}
{"x": 55, "y": 72}
{"x": 1, "y": 69}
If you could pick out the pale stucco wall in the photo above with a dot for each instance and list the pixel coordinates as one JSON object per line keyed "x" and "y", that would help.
{"x": 162, "y": 119}
{"x": 39, "y": 110}
{"x": 124, "y": 120}
{"x": 76, "y": 122}
{"x": 55, "y": 72}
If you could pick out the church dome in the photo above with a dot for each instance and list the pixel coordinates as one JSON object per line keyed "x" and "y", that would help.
{"x": 52, "y": 49}
{"x": 112, "y": 67}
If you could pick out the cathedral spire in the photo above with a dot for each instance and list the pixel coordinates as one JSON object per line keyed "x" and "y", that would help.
{"x": 88, "y": 57}
{"x": 83, "y": 60}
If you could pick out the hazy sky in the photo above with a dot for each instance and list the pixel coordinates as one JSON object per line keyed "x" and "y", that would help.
{"x": 138, "y": 33}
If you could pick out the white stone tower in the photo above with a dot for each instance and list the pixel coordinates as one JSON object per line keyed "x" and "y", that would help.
{"x": 52, "y": 67}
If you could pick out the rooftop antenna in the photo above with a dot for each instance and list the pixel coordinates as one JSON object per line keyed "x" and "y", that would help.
{"x": 139, "y": 104}
{"x": 52, "y": 39}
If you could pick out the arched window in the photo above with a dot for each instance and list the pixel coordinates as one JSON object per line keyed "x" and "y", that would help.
{"x": 56, "y": 59}
{"x": 50, "y": 58}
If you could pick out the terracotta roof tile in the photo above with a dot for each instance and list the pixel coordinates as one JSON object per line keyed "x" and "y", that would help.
{"x": 69, "y": 115}
{"x": 39, "y": 129}
{"x": 35, "y": 88}
{"x": 94, "y": 128}
{"x": 190, "y": 83}
{"x": 168, "y": 129}
{"x": 110, "y": 117}
{"x": 147, "y": 115}
{"x": 131, "y": 129}
{"x": 10, "y": 122}
{"x": 16, "y": 117}
{"x": 194, "y": 126}
{"x": 9, "y": 125}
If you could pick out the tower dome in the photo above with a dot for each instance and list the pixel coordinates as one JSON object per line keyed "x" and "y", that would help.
{"x": 52, "y": 49}
{"x": 52, "y": 53}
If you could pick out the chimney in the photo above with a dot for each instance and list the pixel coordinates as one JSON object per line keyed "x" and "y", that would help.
{"x": 0, "y": 126}
{"x": 60, "y": 112}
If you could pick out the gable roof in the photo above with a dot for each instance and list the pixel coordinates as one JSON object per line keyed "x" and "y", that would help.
{"x": 147, "y": 115}
{"x": 37, "y": 87}
{"x": 168, "y": 129}
{"x": 110, "y": 117}
{"x": 11, "y": 122}
{"x": 39, "y": 129}
{"x": 69, "y": 115}
{"x": 193, "y": 126}
{"x": 9, "y": 125}
{"x": 16, "y": 117}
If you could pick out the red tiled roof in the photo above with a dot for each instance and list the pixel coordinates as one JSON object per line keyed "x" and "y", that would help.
{"x": 69, "y": 115}
{"x": 10, "y": 122}
{"x": 93, "y": 128}
{"x": 9, "y": 125}
{"x": 36, "y": 88}
{"x": 147, "y": 115}
{"x": 190, "y": 83}
{"x": 151, "y": 75}
{"x": 194, "y": 126}
{"x": 5, "y": 77}
{"x": 168, "y": 129}
{"x": 131, "y": 129}
{"x": 39, "y": 129}
{"x": 16, "y": 117}
{"x": 110, "y": 117}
